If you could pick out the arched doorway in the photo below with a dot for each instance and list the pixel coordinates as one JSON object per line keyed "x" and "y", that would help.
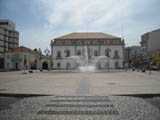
{"x": 107, "y": 65}
{"x": 116, "y": 65}
{"x": 45, "y": 65}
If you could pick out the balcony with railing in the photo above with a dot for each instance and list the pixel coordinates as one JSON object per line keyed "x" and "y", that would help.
{"x": 58, "y": 57}
{"x": 116, "y": 57}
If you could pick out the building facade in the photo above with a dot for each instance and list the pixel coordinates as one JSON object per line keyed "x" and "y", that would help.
{"x": 9, "y": 38}
{"x": 45, "y": 62}
{"x": 150, "y": 45}
{"x": 22, "y": 58}
{"x": 98, "y": 44}
{"x": 132, "y": 53}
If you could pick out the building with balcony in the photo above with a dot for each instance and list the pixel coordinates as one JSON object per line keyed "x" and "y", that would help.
{"x": 150, "y": 46}
{"x": 131, "y": 53}
{"x": 9, "y": 38}
{"x": 97, "y": 43}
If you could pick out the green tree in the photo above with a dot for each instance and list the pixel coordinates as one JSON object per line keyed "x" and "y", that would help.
{"x": 150, "y": 63}
{"x": 130, "y": 62}
{"x": 25, "y": 63}
{"x": 137, "y": 63}
{"x": 51, "y": 64}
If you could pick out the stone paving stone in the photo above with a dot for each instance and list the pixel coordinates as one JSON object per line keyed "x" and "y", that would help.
{"x": 155, "y": 101}
{"x": 6, "y": 102}
{"x": 84, "y": 85}
{"x": 135, "y": 108}
{"x": 79, "y": 105}
{"x": 68, "y": 84}
{"x": 122, "y": 108}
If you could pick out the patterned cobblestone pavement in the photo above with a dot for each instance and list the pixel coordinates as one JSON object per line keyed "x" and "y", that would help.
{"x": 79, "y": 108}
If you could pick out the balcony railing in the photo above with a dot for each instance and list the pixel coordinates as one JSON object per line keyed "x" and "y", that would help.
{"x": 116, "y": 57}
{"x": 58, "y": 57}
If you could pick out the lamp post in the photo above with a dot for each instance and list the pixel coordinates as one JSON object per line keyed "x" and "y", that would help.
{"x": 108, "y": 55}
{"x": 150, "y": 63}
{"x": 46, "y": 51}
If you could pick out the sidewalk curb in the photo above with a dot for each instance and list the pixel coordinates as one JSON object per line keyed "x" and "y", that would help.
{"x": 41, "y": 95}
{"x": 22, "y": 95}
{"x": 140, "y": 95}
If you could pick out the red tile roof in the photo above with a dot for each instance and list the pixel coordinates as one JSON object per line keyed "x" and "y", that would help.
{"x": 87, "y": 35}
{"x": 23, "y": 49}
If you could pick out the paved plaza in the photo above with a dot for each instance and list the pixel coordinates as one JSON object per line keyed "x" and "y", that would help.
{"x": 101, "y": 95}
{"x": 75, "y": 83}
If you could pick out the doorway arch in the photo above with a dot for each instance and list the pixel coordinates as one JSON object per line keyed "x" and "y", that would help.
{"x": 45, "y": 65}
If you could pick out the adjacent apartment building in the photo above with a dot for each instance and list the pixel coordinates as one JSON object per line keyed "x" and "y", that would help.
{"x": 150, "y": 45}
{"x": 97, "y": 43}
{"x": 131, "y": 52}
{"x": 9, "y": 38}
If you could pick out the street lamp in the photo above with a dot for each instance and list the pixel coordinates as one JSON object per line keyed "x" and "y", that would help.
{"x": 46, "y": 51}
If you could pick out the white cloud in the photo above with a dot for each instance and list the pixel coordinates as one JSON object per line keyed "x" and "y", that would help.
{"x": 82, "y": 12}
{"x": 113, "y": 14}
{"x": 35, "y": 38}
{"x": 64, "y": 16}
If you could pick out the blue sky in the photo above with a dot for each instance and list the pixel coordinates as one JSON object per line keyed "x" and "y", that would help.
{"x": 40, "y": 21}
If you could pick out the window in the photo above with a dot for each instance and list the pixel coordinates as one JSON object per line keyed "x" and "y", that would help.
{"x": 4, "y": 23}
{"x": 8, "y": 56}
{"x": 79, "y": 52}
{"x": 116, "y": 64}
{"x": 58, "y": 54}
{"x": 67, "y": 53}
{"x": 107, "y": 65}
{"x": 58, "y": 65}
{"x": 116, "y": 54}
{"x": 25, "y": 56}
{"x": 8, "y": 65}
{"x": 95, "y": 53}
{"x": 107, "y": 51}
{"x": 63, "y": 42}
{"x": 111, "y": 42}
{"x": 68, "y": 65}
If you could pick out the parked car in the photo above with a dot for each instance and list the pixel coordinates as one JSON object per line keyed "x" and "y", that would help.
{"x": 155, "y": 68}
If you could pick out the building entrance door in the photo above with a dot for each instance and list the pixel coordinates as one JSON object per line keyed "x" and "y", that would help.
{"x": 45, "y": 65}
{"x": 107, "y": 65}
{"x": 16, "y": 66}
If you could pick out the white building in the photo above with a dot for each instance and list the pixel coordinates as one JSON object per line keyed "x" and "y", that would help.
{"x": 9, "y": 38}
{"x": 25, "y": 58}
{"x": 45, "y": 63}
{"x": 98, "y": 44}
{"x": 22, "y": 58}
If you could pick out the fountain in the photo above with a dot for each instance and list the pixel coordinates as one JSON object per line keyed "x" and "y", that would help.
{"x": 86, "y": 65}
